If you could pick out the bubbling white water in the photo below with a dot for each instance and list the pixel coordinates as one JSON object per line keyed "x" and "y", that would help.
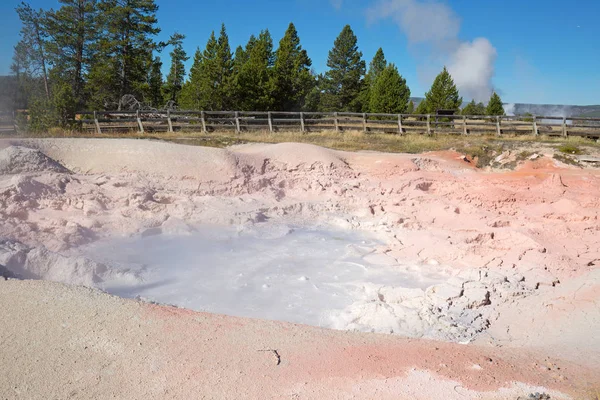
{"x": 278, "y": 273}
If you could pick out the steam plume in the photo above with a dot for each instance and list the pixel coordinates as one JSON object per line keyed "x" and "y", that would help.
{"x": 434, "y": 26}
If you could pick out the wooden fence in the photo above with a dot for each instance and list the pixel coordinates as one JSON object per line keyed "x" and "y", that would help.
{"x": 273, "y": 121}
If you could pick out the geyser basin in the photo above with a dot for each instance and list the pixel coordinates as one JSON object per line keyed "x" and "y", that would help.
{"x": 296, "y": 275}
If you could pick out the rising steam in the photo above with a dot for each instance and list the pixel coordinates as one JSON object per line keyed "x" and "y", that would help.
{"x": 434, "y": 26}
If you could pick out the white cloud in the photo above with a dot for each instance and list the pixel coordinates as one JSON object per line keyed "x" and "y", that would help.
{"x": 337, "y": 4}
{"x": 434, "y": 26}
{"x": 422, "y": 22}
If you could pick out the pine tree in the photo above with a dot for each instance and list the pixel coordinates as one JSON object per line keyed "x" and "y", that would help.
{"x": 154, "y": 95}
{"x": 376, "y": 67}
{"x": 190, "y": 92}
{"x": 73, "y": 30}
{"x": 343, "y": 81}
{"x": 176, "y": 76}
{"x": 410, "y": 108}
{"x": 223, "y": 65}
{"x": 443, "y": 94}
{"x": 389, "y": 93}
{"x": 30, "y": 58}
{"x": 125, "y": 49}
{"x": 251, "y": 82}
{"x": 495, "y": 106}
{"x": 210, "y": 77}
{"x": 474, "y": 109}
{"x": 422, "y": 108}
{"x": 291, "y": 79}
{"x": 239, "y": 59}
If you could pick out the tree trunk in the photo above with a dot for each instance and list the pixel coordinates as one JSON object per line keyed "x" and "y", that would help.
{"x": 78, "y": 84}
{"x": 42, "y": 58}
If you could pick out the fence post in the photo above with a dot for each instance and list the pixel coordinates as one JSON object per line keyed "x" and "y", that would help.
{"x": 139, "y": 121}
{"x": 535, "y": 130}
{"x": 465, "y": 132}
{"x": 400, "y": 124}
{"x": 302, "y": 121}
{"x": 270, "y": 122}
{"x": 335, "y": 121}
{"x": 237, "y": 122}
{"x": 429, "y": 124}
{"x": 364, "y": 122}
{"x": 169, "y": 121}
{"x": 98, "y": 130}
{"x": 564, "y": 127}
{"x": 498, "y": 132}
{"x": 203, "y": 120}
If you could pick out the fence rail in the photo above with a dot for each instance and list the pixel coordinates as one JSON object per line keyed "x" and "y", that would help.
{"x": 273, "y": 121}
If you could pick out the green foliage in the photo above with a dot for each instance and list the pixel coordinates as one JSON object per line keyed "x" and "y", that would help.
{"x": 63, "y": 105}
{"x": 73, "y": 30}
{"x": 443, "y": 94}
{"x": 291, "y": 80}
{"x": 252, "y": 74}
{"x": 10, "y": 98}
{"x": 125, "y": 49}
{"x": 30, "y": 59}
{"x": 153, "y": 94}
{"x": 192, "y": 89}
{"x": 474, "y": 109}
{"x": 223, "y": 70}
{"x": 422, "y": 108}
{"x": 343, "y": 81}
{"x": 40, "y": 118}
{"x": 58, "y": 111}
{"x": 528, "y": 117}
{"x": 569, "y": 149}
{"x": 313, "y": 100}
{"x": 376, "y": 67}
{"x": 176, "y": 76}
{"x": 209, "y": 86}
{"x": 495, "y": 106}
{"x": 389, "y": 93}
{"x": 410, "y": 108}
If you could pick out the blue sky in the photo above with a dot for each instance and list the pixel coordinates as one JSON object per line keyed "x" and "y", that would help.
{"x": 547, "y": 51}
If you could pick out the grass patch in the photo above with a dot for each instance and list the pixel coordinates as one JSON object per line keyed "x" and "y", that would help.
{"x": 484, "y": 152}
{"x": 569, "y": 148}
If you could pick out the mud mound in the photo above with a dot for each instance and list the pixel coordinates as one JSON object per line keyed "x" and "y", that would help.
{"x": 20, "y": 261}
{"x": 94, "y": 156}
{"x": 18, "y": 160}
{"x": 294, "y": 155}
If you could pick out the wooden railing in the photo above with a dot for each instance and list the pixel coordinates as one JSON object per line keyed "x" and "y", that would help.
{"x": 273, "y": 121}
